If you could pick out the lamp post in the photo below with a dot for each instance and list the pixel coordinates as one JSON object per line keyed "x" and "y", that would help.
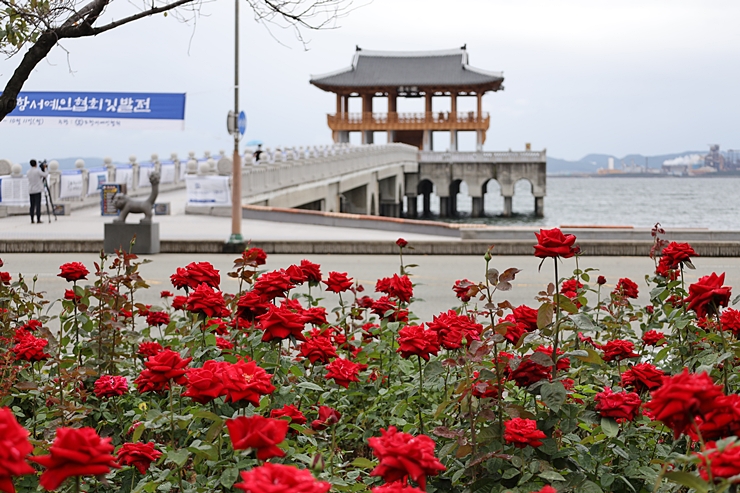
{"x": 236, "y": 178}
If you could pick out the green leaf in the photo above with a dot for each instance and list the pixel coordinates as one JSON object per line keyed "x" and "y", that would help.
{"x": 544, "y": 315}
{"x": 309, "y": 386}
{"x": 689, "y": 480}
{"x": 510, "y": 473}
{"x": 583, "y": 322}
{"x": 553, "y": 395}
{"x": 551, "y": 476}
{"x": 593, "y": 357}
{"x": 179, "y": 457}
{"x": 590, "y": 487}
{"x": 228, "y": 477}
{"x": 363, "y": 463}
{"x": 138, "y": 432}
{"x": 609, "y": 427}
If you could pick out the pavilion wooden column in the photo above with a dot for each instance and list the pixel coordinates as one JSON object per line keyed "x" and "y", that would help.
{"x": 392, "y": 115}
{"x": 367, "y": 117}
{"x": 479, "y": 134}
{"x": 453, "y": 121}
{"x": 428, "y": 141}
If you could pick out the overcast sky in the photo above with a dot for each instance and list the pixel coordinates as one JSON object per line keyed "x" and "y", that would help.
{"x": 644, "y": 76}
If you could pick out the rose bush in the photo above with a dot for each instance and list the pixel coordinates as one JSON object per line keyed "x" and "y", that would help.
{"x": 301, "y": 383}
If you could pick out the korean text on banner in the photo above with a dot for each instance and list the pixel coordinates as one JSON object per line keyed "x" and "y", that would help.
{"x": 98, "y": 110}
{"x": 14, "y": 191}
{"x": 70, "y": 184}
{"x": 95, "y": 178}
{"x": 208, "y": 190}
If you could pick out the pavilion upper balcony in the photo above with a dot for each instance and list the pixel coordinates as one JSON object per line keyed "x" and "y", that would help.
{"x": 436, "y": 120}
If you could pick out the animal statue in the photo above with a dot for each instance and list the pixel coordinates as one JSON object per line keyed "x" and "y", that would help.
{"x": 126, "y": 204}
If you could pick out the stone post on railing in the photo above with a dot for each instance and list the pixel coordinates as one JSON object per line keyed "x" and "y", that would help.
{"x": 156, "y": 163}
{"x": 108, "y": 163}
{"x": 191, "y": 167}
{"x": 80, "y": 165}
{"x": 177, "y": 164}
{"x": 134, "y": 173}
{"x": 54, "y": 180}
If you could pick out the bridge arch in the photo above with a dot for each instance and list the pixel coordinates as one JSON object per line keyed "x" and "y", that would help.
{"x": 425, "y": 188}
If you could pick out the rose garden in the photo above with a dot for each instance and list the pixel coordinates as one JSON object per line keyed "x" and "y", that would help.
{"x": 266, "y": 391}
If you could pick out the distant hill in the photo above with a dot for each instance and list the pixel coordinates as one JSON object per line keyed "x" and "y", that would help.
{"x": 592, "y": 162}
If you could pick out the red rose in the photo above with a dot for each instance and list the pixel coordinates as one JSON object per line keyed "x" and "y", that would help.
{"x": 110, "y": 386}
{"x": 180, "y": 279}
{"x": 618, "y": 350}
{"x": 251, "y": 305}
{"x": 160, "y": 369}
{"x": 271, "y": 285}
{"x": 683, "y": 397}
{"x": 563, "y": 363}
{"x": 722, "y": 421}
{"x": 416, "y": 340}
{"x": 338, "y": 282}
{"x": 546, "y": 489}
{"x": 246, "y": 381}
{"x": 179, "y": 302}
{"x": 139, "y": 455}
{"x": 529, "y": 372}
{"x": 620, "y": 405}
{"x": 526, "y": 316}
{"x": 149, "y": 348}
{"x": 553, "y": 243}
{"x": 277, "y": 478}
{"x": 626, "y": 288}
{"x": 343, "y": 371}
{"x": 570, "y": 289}
{"x": 402, "y": 456}
{"x": 396, "y": 287}
{"x": 465, "y": 289}
{"x": 318, "y": 348}
{"x": 31, "y": 325}
{"x": 522, "y": 432}
{"x": 327, "y": 417}
{"x": 216, "y": 325}
{"x": 281, "y": 323}
{"x": 157, "y": 318}
{"x": 722, "y": 462}
{"x": 205, "y": 384}
{"x": 206, "y": 301}
{"x": 14, "y": 449}
{"x": 401, "y": 242}
{"x": 70, "y": 295}
{"x": 73, "y": 271}
{"x": 5, "y": 278}
{"x": 643, "y": 376}
{"x": 708, "y": 294}
{"x": 730, "y": 320}
{"x": 166, "y": 294}
{"x": 395, "y": 488}
{"x": 514, "y": 330}
{"x": 75, "y": 452}
{"x": 315, "y": 315}
{"x": 653, "y": 337}
{"x": 258, "y": 433}
{"x": 224, "y": 344}
{"x": 677, "y": 253}
{"x": 452, "y": 328}
{"x": 311, "y": 271}
{"x": 31, "y": 348}
{"x": 601, "y": 280}
{"x": 291, "y": 412}
{"x": 202, "y": 273}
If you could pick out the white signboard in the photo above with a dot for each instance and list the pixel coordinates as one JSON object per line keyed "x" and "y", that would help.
{"x": 14, "y": 191}
{"x": 145, "y": 169}
{"x": 167, "y": 173}
{"x": 125, "y": 174}
{"x": 95, "y": 178}
{"x": 70, "y": 184}
{"x": 208, "y": 190}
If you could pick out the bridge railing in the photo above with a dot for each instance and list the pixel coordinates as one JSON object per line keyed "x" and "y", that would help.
{"x": 276, "y": 169}
{"x": 483, "y": 157}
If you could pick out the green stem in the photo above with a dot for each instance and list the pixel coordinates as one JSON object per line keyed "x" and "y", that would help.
{"x": 556, "y": 329}
{"x": 421, "y": 394}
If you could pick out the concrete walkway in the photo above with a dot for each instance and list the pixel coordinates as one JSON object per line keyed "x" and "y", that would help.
{"x": 87, "y": 224}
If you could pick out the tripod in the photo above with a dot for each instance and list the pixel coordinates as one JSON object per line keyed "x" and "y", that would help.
{"x": 47, "y": 197}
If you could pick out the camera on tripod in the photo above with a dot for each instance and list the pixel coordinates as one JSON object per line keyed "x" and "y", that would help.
{"x": 43, "y": 165}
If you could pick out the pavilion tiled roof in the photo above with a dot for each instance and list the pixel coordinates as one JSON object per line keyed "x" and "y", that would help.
{"x": 378, "y": 69}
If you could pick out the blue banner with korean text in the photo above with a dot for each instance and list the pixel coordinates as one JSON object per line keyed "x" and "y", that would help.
{"x": 98, "y": 110}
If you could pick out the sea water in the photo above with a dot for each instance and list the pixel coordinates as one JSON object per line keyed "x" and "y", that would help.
{"x": 696, "y": 202}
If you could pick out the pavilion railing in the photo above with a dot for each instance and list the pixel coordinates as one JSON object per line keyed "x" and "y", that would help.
{"x": 441, "y": 120}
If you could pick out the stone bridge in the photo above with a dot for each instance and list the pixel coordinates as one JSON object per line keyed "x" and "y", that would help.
{"x": 366, "y": 179}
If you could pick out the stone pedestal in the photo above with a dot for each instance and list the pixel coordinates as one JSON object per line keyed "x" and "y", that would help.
{"x": 119, "y": 235}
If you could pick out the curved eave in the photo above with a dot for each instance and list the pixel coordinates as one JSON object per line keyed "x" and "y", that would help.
{"x": 496, "y": 85}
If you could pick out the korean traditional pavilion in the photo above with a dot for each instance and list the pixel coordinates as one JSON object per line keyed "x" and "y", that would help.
{"x": 394, "y": 74}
